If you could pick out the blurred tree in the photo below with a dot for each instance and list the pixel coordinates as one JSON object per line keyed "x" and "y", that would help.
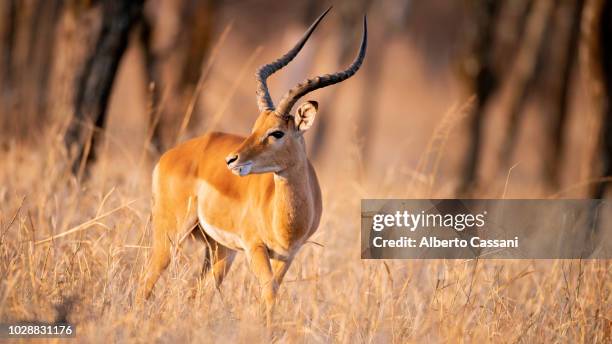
{"x": 96, "y": 79}
{"x": 28, "y": 34}
{"x": 478, "y": 68}
{"x": 94, "y": 85}
{"x": 528, "y": 70}
{"x": 9, "y": 32}
{"x": 598, "y": 35}
{"x": 193, "y": 43}
{"x": 42, "y": 39}
{"x": 559, "y": 107}
{"x": 154, "y": 79}
{"x": 546, "y": 42}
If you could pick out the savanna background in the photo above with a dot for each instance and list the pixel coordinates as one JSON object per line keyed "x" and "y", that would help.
{"x": 483, "y": 99}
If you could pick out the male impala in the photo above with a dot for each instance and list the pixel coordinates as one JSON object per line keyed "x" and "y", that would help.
{"x": 257, "y": 194}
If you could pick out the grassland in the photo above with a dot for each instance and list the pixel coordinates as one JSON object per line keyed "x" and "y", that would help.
{"x": 89, "y": 276}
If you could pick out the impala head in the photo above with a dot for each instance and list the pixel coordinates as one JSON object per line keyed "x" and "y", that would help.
{"x": 276, "y": 142}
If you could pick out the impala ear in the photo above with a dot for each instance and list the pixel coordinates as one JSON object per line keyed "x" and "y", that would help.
{"x": 306, "y": 114}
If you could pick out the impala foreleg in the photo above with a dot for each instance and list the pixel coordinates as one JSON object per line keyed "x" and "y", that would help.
{"x": 280, "y": 266}
{"x": 218, "y": 261}
{"x": 260, "y": 265}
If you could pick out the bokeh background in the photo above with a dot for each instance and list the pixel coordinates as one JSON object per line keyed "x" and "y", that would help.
{"x": 521, "y": 84}
{"x": 485, "y": 99}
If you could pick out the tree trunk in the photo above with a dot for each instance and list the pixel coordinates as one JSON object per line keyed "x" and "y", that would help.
{"x": 95, "y": 82}
{"x": 484, "y": 82}
{"x": 554, "y": 156}
{"x": 604, "y": 155}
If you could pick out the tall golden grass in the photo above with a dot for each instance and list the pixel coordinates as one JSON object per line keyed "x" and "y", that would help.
{"x": 77, "y": 250}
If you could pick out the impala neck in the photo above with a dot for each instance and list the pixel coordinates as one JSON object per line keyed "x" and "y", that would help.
{"x": 292, "y": 191}
{"x": 295, "y": 176}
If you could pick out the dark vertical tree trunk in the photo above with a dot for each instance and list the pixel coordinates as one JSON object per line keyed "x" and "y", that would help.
{"x": 95, "y": 83}
{"x": 529, "y": 69}
{"x": 554, "y": 157}
{"x": 9, "y": 30}
{"x": 26, "y": 64}
{"x": 485, "y": 83}
{"x": 597, "y": 37}
{"x": 8, "y": 25}
{"x": 604, "y": 156}
{"x": 40, "y": 53}
{"x": 154, "y": 83}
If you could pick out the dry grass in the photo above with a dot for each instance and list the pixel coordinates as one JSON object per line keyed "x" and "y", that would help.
{"x": 82, "y": 247}
{"x": 330, "y": 294}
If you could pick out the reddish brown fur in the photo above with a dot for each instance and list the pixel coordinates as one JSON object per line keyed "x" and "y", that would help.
{"x": 268, "y": 215}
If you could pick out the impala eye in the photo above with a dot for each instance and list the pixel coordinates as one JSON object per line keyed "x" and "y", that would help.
{"x": 277, "y": 134}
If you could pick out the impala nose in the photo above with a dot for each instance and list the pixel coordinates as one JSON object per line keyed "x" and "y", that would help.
{"x": 231, "y": 158}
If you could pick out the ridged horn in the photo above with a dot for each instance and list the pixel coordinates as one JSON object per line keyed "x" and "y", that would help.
{"x": 264, "y": 101}
{"x": 292, "y": 96}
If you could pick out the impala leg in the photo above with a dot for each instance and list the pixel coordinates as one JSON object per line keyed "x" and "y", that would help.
{"x": 260, "y": 264}
{"x": 218, "y": 261}
{"x": 164, "y": 236}
{"x": 160, "y": 255}
{"x": 280, "y": 268}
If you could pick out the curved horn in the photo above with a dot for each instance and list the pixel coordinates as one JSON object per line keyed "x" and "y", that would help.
{"x": 287, "y": 102}
{"x": 264, "y": 101}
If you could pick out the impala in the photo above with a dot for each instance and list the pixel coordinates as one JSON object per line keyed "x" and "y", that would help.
{"x": 257, "y": 194}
